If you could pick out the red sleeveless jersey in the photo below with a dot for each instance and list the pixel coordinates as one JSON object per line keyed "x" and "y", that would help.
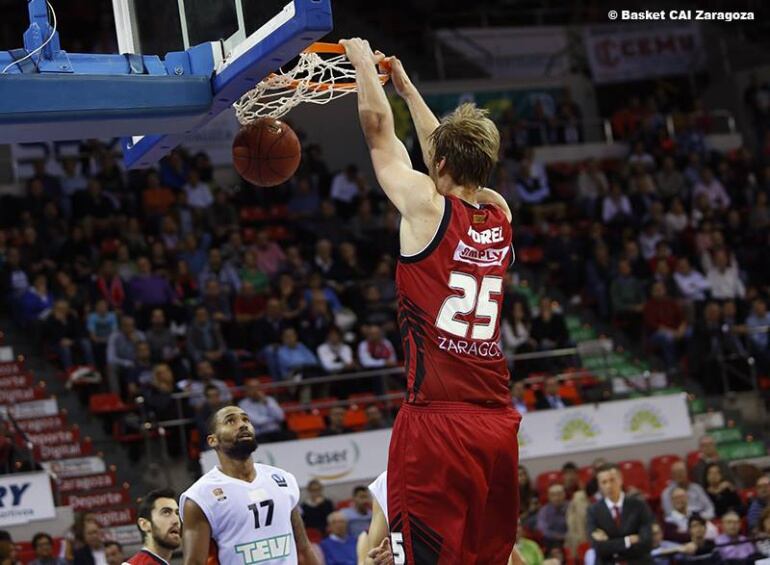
{"x": 450, "y": 297}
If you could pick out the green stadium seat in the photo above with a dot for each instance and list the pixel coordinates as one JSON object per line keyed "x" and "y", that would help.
{"x": 727, "y": 435}
{"x": 741, "y": 450}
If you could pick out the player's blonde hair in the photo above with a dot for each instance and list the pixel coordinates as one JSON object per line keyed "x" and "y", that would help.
{"x": 470, "y": 143}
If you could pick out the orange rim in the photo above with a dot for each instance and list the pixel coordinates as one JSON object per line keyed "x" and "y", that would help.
{"x": 336, "y": 49}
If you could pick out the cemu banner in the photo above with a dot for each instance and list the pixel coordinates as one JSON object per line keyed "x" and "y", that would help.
{"x": 620, "y": 53}
{"x": 25, "y": 497}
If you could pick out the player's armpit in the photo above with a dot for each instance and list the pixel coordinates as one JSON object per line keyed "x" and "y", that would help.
{"x": 305, "y": 553}
{"x": 196, "y": 535}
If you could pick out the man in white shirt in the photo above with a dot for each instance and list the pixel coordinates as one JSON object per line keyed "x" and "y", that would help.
{"x": 264, "y": 412}
{"x": 376, "y": 351}
{"x": 723, "y": 278}
{"x": 691, "y": 283}
{"x": 346, "y": 187}
{"x": 712, "y": 188}
{"x": 697, "y": 499}
{"x": 198, "y": 192}
{"x": 334, "y": 354}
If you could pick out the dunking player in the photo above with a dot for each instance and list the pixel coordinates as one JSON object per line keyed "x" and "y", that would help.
{"x": 452, "y": 466}
{"x": 161, "y": 530}
{"x": 242, "y": 512}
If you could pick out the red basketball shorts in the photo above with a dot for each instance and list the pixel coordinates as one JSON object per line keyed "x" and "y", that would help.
{"x": 453, "y": 496}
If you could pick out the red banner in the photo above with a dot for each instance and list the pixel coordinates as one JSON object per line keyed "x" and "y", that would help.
{"x": 97, "y": 500}
{"x": 11, "y": 368}
{"x": 14, "y": 395}
{"x": 88, "y": 482}
{"x": 63, "y": 451}
{"x": 16, "y": 381}
{"x": 107, "y": 518}
{"x": 44, "y": 424}
{"x": 52, "y": 437}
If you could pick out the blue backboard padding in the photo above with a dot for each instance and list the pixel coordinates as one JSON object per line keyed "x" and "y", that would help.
{"x": 312, "y": 20}
{"x": 87, "y": 64}
{"x": 33, "y": 107}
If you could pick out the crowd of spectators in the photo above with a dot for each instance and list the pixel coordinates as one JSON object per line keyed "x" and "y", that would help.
{"x": 161, "y": 279}
{"x": 699, "y": 513}
{"x": 668, "y": 244}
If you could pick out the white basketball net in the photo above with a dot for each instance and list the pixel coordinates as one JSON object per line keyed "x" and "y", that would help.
{"x": 314, "y": 79}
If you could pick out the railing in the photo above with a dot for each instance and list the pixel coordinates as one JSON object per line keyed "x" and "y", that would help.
{"x": 151, "y": 428}
{"x": 722, "y": 121}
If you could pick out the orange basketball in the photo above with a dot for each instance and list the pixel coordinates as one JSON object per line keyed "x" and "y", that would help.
{"x": 266, "y": 152}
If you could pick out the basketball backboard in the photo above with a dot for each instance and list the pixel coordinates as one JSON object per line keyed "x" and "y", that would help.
{"x": 181, "y": 63}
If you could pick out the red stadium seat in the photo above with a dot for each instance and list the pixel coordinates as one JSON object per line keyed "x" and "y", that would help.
{"x": 529, "y": 398}
{"x": 585, "y": 474}
{"x": 545, "y": 480}
{"x": 692, "y": 459}
{"x": 314, "y": 535}
{"x": 355, "y": 418}
{"x": 348, "y": 502}
{"x": 635, "y": 475}
{"x": 305, "y": 425}
{"x": 569, "y": 391}
{"x": 107, "y": 403}
{"x": 660, "y": 471}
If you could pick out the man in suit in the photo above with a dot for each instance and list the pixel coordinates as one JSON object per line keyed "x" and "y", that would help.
{"x": 92, "y": 553}
{"x": 620, "y": 525}
{"x": 550, "y": 397}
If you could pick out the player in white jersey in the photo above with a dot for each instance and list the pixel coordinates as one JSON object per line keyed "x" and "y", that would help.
{"x": 241, "y": 512}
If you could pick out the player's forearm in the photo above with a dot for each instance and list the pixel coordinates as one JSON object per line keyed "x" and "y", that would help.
{"x": 374, "y": 109}
{"x": 425, "y": 121}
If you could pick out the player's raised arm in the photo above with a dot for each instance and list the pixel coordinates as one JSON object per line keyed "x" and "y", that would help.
{"x": 425, "y": 121}
{"x": 410, "y": 191}
{"x": 196, "y": 535}
{"x": 304, "y": 547}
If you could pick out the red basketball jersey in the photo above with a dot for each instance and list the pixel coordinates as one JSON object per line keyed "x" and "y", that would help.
{"x": 450, "y": 297}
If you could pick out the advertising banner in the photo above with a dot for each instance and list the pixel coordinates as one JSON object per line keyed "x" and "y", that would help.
{"x": 24, "y": 498}
{"x": 359, "y": 456}
{"x": 619, "y": 53}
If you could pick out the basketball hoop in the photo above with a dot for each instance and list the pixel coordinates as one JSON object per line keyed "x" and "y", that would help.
{"x": 322, "y": 74}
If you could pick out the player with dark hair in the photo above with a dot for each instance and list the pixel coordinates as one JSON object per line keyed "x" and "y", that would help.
{"x": 158, "y": 522}
{"x": 453, "y": 460}
{"x": 242, "y": 512}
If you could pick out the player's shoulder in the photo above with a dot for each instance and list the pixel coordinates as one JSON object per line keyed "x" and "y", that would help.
{"x": 212, "y": 477}
{"x": 492, "y": 197}
{"x": 281, "y": 477}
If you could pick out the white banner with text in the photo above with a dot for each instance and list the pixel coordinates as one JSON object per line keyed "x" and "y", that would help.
{"x": 364, "y": 455}
{"x": 25, "y": 497}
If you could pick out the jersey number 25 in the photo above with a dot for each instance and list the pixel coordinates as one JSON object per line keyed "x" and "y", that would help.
{"x": 473, "y": 296}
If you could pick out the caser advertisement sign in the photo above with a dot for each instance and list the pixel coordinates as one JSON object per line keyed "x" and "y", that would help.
{"x": 334, "y": 459}
{"x": 25, "y": 497}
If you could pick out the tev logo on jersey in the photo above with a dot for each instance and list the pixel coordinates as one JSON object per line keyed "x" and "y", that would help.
{"x": 265, "y": 549}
